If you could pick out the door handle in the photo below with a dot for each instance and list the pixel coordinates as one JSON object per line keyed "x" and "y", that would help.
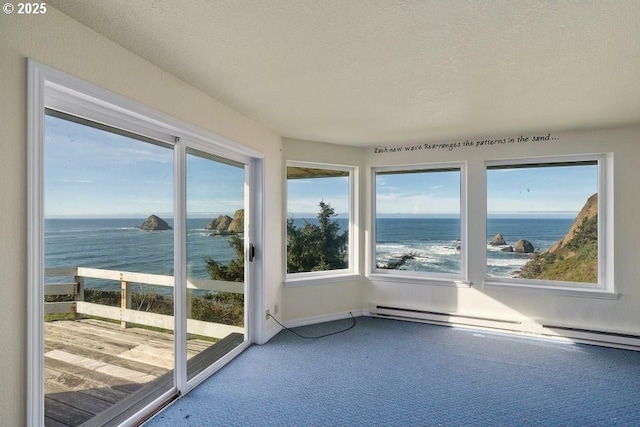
{"x": 252, "y": 252}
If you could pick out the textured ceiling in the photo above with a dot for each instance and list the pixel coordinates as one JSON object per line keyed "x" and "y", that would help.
{"x": 387, "y": 71}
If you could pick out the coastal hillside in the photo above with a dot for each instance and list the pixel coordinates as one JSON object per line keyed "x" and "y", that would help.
{"x": 574, "y": 258}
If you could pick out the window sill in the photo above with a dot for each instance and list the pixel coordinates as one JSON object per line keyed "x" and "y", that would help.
{"x": 455, "y": 282}
{"x": 551, "y": 289}
{"x": 319, "y": 278}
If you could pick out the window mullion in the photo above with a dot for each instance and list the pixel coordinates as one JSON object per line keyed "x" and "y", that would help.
{"x": 180, "y": 271}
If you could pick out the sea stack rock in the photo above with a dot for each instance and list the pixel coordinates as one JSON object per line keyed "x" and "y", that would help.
{"x": 498, "y": 240}
{"x": 523, "y": 247}
{"x": 220, "y": 225}
{"x": 155, "y": 223}
{"x": 237, "y": 224}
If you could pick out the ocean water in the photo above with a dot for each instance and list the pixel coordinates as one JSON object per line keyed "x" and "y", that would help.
{"x": 118, "y": 244}
{"x": 436, "y": 242}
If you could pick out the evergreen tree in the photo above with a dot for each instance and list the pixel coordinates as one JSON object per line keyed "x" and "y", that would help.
{"x": 316, "y": 247}
{"x": 232, "y": 272}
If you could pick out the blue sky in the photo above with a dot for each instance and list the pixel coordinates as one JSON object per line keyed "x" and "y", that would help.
{"x": 90, "y": 172}
{"x": 94, "y": 173}
{"x": 213, "y": 187}
{"x": 558, "y": 190}
{"x": 540, "y": 190}
{"x": 304, "y": 195}
{"x": 418, "y": 193}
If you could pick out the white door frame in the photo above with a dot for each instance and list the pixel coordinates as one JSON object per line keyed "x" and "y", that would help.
{"x": 51, "y": 88}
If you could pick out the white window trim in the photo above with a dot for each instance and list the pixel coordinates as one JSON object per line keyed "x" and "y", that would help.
{"x": 456, "y": 280}
{"x": 48, "y": 87}
{"x": 605, "y": 287}
{"x": 329, "y": 276}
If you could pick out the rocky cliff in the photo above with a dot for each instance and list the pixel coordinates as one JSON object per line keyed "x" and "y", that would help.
{"x": 589, "y": 211}
{"x": 574, "y": 258}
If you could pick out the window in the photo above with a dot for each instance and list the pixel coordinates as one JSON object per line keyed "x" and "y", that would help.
{"x": 546, "y": 223}
{"x": 419, "y": 228}
{"x": 319, "y": 221}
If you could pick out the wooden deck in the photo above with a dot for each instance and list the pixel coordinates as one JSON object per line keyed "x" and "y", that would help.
{"x": 91, "y": 366}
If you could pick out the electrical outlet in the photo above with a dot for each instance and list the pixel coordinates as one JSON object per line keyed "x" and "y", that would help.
{"x": 266, "y": 315}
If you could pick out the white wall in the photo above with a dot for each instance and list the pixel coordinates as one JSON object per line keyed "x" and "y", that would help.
{"x": 609, "y": 315}
{"x": 621, "y": 315}
{"x": 62, "y": 43}
{"x": 324, "y": 300}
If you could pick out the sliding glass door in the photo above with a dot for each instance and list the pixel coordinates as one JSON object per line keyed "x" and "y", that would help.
{"x": 138, "y": 288}
{"x": 215, "y": 248}
{"x": 108, "y": 287}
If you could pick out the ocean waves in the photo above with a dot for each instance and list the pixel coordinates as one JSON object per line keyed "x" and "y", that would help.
{"x": 435, "y": 257}
{"x": 434, "y": 243}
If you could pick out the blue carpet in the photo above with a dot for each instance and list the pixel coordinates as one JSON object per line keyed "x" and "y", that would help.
{"x": 392, "y": 373}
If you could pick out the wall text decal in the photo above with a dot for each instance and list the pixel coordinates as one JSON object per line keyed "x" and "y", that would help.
{"x": 467, "y": 144}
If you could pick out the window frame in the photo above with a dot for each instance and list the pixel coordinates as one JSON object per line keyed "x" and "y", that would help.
{"x": 427, "y": 278}
{"x": 605, "y": 287}
{"x": 327, "y": 276}
{"x": 50, "y": 88}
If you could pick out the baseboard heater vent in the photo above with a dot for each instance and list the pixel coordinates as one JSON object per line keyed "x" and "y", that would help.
{"x": 413, "y": 314}
{"x": 586, "y": 336}
{"x": 589, "y": 336}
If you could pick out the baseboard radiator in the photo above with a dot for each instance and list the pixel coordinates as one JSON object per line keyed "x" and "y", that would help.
{"x": 587, "y": 336}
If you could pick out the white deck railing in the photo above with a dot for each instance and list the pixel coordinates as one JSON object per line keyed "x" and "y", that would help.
{"x": 124, "y": 313}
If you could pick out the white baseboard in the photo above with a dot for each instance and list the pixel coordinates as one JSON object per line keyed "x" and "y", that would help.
{"x": 275, "y": 329}
{"x": 622, "y": 340}
{"x": 602, "y": 338}
{"x": 324, "y": 318}
{"x": 272, "y": 332}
